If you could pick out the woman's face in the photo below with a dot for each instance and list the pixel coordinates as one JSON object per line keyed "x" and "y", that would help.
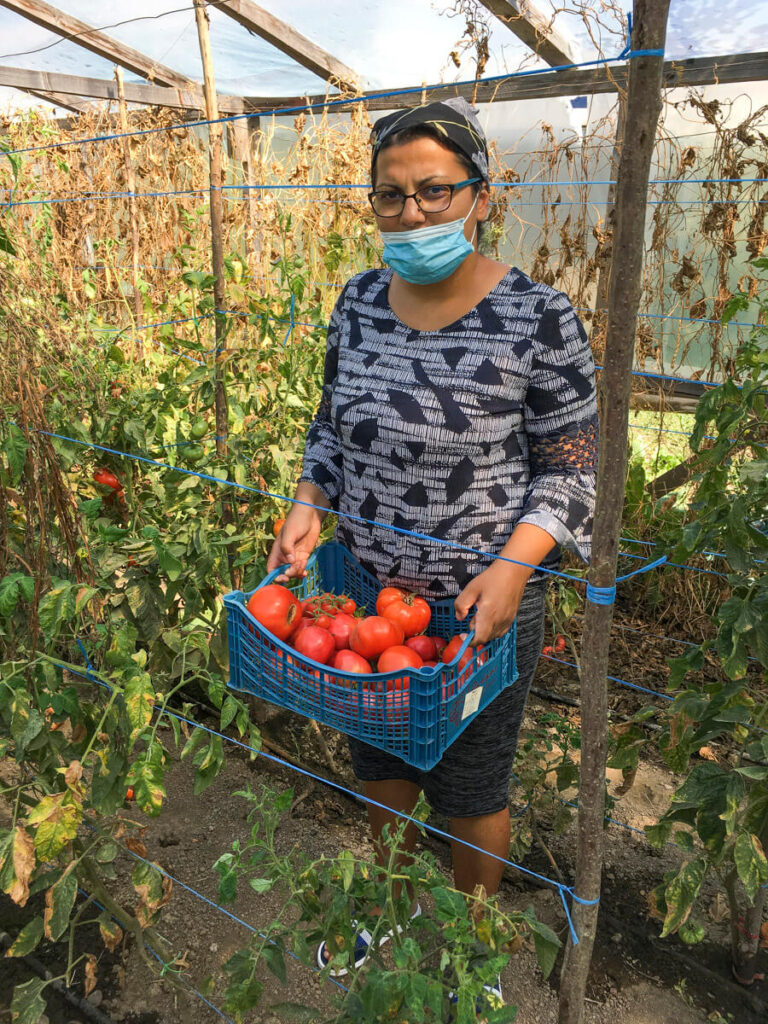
{"x": 419, "y": 162}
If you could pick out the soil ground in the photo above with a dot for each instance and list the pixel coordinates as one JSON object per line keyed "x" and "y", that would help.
{"x": 636, "y": 977}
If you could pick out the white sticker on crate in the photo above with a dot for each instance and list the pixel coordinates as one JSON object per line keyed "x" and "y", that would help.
{"x": 472, "y": 702}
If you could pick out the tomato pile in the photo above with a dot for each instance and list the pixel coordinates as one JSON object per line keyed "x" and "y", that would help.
{"x": 330, "y": 629}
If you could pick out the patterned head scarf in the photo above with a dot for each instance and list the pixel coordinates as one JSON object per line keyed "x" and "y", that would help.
{"x": 453, "y": 119}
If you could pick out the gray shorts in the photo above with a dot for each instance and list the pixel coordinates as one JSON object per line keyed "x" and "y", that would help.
{"x": 472, "y": 778}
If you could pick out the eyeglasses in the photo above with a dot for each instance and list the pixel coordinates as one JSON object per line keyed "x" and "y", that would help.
{"x": 388, "y": 202}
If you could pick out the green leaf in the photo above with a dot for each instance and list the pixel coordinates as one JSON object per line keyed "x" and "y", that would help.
{"x": 681, "y": 893}
{"x": 146, "y": 607}
{"x": 260, "y": 884}
{"x": 547, "y": 944}
{"x": 108, "y": 784}
{"x": 346, "y": 864}
{"x": 57, "y": 822}
{"x": 28, "y": 938}
{"x": 146, "y": 777}
{"x": 753, "y": 771}
{"x": 450, "y": 905}
{"x": 275, "y": 961}
{"x": 227, "y": 873}
{"x": 692, "y": 932}
{"x": 59, "y": 901}
{"x": 139, "y": 701}
{"x": 169, "y": 563}
{"x": 10, "y": 591}
{"x": 209, "y": 762}
{"x": 57, "y": 607}
{"x": 28, "y": 1005}
{"x": 15, "y": 448}
{"x": 751, "y": 863}
{"x": 228, "y": 711}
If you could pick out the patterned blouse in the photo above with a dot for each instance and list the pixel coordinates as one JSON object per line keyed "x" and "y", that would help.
{"x": 459, "y": 433}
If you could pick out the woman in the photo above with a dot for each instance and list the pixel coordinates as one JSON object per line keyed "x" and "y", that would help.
{"x": 459, "y": 402}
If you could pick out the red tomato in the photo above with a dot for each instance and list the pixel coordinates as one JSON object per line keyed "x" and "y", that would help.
{"x": 386, "y": 596}
{"x": 348, "y": 661}
{"x": 452, "y": 650}
{"x": 424, "y": 647}
{"x": 410, "y": 612}
{"x": 395, "y": 658}
{"x": 107, "y": 479}
{"x": 440, "y": 645}
{"x": 320, "y": 619}
{"x": 548, "y": 651}
{"x": 316, "y": 643}
{"x": 341, "y": 628}
{"x": 430, "y": 664}
{"x": 346, "y": 604}
{"x": 277, "y": 609}
{"x": 373, "y": 635}
{"x": 559, "y": 644}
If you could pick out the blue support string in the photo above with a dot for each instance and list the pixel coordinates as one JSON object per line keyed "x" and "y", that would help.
{"x": 363, "y": 799}
{"x": 601, "y": 595}
{"x": 342, "y": 102}
{"x": 346, "y": 515}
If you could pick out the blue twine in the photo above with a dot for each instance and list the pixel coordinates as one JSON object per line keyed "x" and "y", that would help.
{"x": 628, "y": 45}
{"x": 332, "y": 104}
{"x": 654, "y": 544}
{"x": 366, "y": 800}
{"x": 344, "y": 515}
{"x": 678, "y": 565}
{"x": 601, "y": 595}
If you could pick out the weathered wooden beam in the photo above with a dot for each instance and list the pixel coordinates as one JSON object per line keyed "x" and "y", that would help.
{"x": 740, "y": 67}
{"x": 60, "y": 100}
{"x": 534, "y": 29}
{"x": 287, "y": 39}
{"x": 106, "y": 89}
{"x": 90, "y": 38}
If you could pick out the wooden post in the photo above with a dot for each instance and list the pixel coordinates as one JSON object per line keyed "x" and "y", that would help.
{"x": 597, "y": 334}
{"x": 130, "y": 182}
{"x": 643, "y": 109}
{"x": 217, "y": 245}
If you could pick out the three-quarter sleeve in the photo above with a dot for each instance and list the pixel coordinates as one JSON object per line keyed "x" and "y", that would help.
{"x": 323, "y": 459}
{"x": 562, "y": 429}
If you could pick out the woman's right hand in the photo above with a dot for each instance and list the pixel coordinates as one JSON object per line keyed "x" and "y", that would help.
{"x": 297, "y": 539}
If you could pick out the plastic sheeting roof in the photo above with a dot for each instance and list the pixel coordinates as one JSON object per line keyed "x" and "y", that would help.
{"x": 389, "y": 43}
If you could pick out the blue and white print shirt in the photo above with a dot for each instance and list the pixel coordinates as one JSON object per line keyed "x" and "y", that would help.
{"x": 459, "y": 433}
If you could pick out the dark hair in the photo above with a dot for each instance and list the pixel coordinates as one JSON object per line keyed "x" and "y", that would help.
{"x": 427, "y": 132}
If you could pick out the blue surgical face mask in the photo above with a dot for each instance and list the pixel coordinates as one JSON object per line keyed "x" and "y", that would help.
{"x": 430, "y": 254}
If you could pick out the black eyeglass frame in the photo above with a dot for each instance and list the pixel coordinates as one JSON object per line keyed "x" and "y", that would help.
{"x": 415, "y": 197}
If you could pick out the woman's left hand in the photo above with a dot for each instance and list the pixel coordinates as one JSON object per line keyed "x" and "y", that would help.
{"x": 497, "y": 592}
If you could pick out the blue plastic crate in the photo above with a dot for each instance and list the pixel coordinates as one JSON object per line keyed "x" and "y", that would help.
{"x": 416, "y": 723}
